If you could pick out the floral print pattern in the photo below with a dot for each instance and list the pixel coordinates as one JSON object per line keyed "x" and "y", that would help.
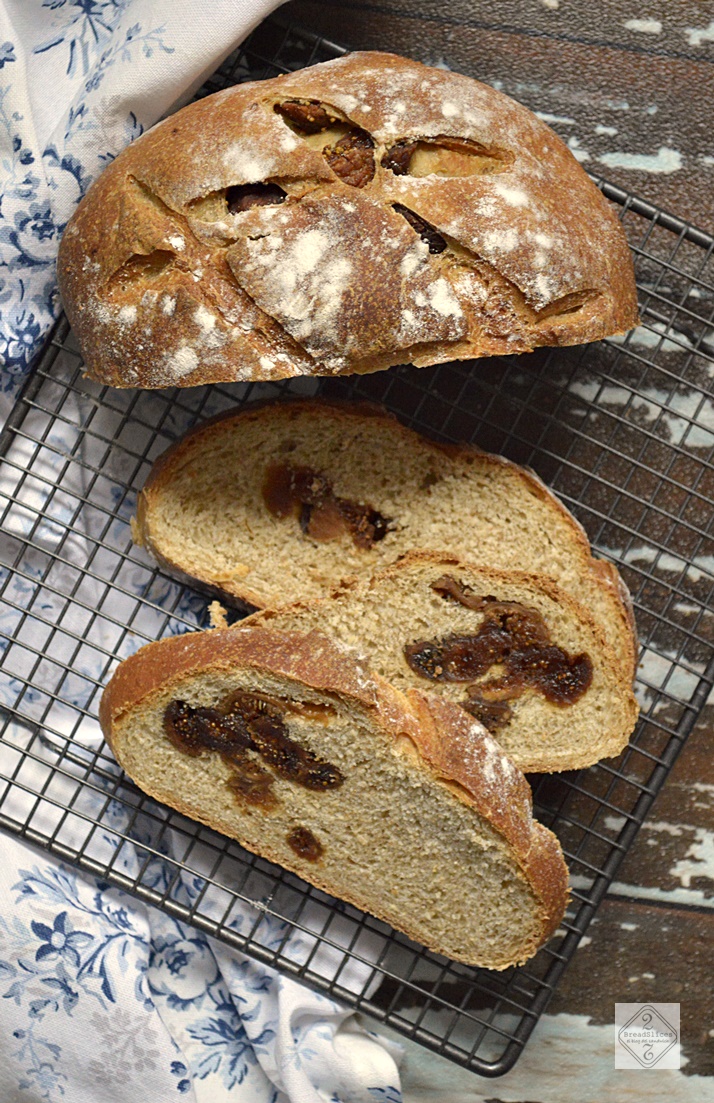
{"x": 90, "y": 980}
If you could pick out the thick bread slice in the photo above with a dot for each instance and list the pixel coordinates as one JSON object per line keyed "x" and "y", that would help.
{"x": 409, "y": 620}
{"x": 203, "y": 510}
{"x": 415, "y": 815}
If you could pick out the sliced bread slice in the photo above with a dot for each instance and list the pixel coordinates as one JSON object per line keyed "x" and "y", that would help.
{"x": 516, "y": 651}
{"x": 278, "y": 502}
{"x": 402, "y": 806}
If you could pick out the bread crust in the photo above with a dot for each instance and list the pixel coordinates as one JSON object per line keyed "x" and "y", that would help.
{"x": 450, "y": 747}
{"x": 604, "y": 576}
{"x": 165, "y": 285}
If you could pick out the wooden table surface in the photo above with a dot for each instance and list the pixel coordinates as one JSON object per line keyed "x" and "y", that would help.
{"x": 631, "y": 90}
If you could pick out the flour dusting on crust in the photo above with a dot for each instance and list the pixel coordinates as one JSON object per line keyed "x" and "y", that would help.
{"x": 427, "y": 217}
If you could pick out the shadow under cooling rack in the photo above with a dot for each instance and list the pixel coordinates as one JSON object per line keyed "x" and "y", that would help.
{"x": 622, "y": 430}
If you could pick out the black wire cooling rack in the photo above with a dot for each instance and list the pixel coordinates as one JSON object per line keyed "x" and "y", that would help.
{"x": 622, "y": 430}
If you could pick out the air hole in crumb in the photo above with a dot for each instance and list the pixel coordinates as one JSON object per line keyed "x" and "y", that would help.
{"x": 431, "y": 478}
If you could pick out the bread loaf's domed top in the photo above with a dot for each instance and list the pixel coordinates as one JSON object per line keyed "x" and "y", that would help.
{"x": 356, "y": 214}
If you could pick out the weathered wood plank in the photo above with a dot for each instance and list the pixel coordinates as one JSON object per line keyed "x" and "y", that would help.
{"x": 638, "y": 952}
{"x": 673, "y": 855}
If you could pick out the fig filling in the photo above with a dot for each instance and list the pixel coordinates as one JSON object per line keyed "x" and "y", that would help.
{"x": 246, "y": 722}
{"x": 305, "y": 845}
{"x": 250, "y": 782}
{"x": 306, "y": 494}
{"x": 351, "y": 154}
{"x": 352, "y": 158}
{"x": 512, "y": 637}
{"x": 398, "y": 156}
{"x": 444, "y": 156}
{"x": 306, "y": 116}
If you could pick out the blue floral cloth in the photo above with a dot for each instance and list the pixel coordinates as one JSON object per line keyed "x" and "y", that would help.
{"x": 101, "y": 996}
{"x": 104, "y": 999}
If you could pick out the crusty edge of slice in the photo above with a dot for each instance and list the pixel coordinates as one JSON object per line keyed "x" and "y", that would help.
{"x": 451, "y": 746}
{"x": 459, "y": 760}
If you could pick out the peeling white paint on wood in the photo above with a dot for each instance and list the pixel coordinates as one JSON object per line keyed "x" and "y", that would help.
{"x": 551, "y": 119}
{"x": 651, "y": 336}
{"x": 645, "y": 554}
{"x": 578, "y": 153}
{"x": 675, "y": 829}
{"x": 665, "y": 160}
{"x": 684, "y": 417}
{"x": 565, "y": 1051}
{"x": 691, "y": 898}
{"x": 661, "y": 672}
{"x": 644, "y": 26}
{"x": 703, "y": 787}
{"x": 698, "y": 860}
{"x": 697, "y": 35}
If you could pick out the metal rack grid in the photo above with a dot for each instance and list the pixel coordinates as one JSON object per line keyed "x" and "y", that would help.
{"x": 622, "y": 430}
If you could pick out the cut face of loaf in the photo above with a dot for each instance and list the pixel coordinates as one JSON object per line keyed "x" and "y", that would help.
{"x": 404, "y": 807}
{"x": 360, "y": 213}
{"x": 514, "y": 650}
{"x": 278, "y": 503}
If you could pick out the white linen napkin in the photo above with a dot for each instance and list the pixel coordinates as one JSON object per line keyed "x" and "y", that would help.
{"x": 101, "y": 996}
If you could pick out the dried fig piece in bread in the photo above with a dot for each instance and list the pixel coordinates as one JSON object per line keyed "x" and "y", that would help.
{"x": 356, "y": 214}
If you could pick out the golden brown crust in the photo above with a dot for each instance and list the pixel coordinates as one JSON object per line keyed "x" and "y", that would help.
{"x": 474, "y": 761}
{"x": 451, "y": 746}
{"x": 480, "y": 767}
{"x": 164, "y": 285}
{"x": 309, "y": 658}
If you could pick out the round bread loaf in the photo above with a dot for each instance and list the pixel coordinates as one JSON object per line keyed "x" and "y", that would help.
{"x": 360, "y": 213}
